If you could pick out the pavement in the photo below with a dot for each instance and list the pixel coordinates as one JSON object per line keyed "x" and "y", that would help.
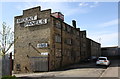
{"x": 112, "y": 71}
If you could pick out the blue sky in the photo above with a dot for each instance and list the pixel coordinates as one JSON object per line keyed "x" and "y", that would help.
{"x": 99, "y": 19}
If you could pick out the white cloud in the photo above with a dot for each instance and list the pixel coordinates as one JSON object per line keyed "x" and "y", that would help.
{"x": 106, "y": 39}
{"x": 110, "y": 39}
{"x": 55, "y": 6}
{"x": 83, "y": 4}
{"x": 90, "y": 4}
{"x": 95, "y": 4}
{"x": 109, "y": 23}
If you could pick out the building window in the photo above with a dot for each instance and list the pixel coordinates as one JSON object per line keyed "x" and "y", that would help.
{"x": 91, "y": 43}
{"x": 64, "y": 27}
{"x": 73, "y": 54}
{"x": 58, "y": 38}
{"x": 77, "y": 54}
{"x": 104, "y": 48}
{"x": 68, "y": 41}
{"x": 68, "y": 29}
{"x": 78, "y": 33}
{"x": 83, "y": 36}
{"x": 67, "y": 53}
{"x": 58, "y": 52}
{"x": 84, "y": 45}
{"x": 58, "y": 25}
{"x": 74, "y": 31}
{"x": 18, "y": 67}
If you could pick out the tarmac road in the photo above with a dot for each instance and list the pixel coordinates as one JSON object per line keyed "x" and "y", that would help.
{"x": 85, "y": 70}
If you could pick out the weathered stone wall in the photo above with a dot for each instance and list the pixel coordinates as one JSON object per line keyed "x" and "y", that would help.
{"x": 29, "y": 37}
{"x": 83, "y": 45}
{"x": 69, "y": 48}
{"x": 110, "y": 51}
{"x": 88, "y": 49}
{"x": 95, "y": 49}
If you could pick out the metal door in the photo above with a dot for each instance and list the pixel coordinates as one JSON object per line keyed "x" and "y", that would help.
{"x": 39, "y": 63}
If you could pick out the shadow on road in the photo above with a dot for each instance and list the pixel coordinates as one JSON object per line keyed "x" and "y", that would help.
{"x": 84, "y": 65}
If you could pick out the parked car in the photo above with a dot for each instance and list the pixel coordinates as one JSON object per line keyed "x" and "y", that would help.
{"x": 94, "y": 58}
{"x": 103, "y": 61}
{"x": 88, "y": 59}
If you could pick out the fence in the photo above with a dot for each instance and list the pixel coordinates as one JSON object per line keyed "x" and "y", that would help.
{"x": 0, "y": 67}
{"x": 5, "y": 66}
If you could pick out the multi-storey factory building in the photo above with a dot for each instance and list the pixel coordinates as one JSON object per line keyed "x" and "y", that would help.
{"x": 45, "y": 42}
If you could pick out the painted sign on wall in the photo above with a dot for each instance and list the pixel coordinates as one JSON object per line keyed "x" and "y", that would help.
{"x": 42, "y": 45}
{"x": 31, "y": 21}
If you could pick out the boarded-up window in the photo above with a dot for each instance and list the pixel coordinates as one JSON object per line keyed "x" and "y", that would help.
{"x": 68, "y": 29}
{"x": 18, "y": 67}
{"x": 67, "y": 52}
{"x": 58, "y": 52}
{"x": 58, "y": 25}
{"x": 69, "y": 41}
{"x": 58, "y": 38}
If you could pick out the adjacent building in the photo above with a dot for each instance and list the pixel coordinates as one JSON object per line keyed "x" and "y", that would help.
{"x": 110, "y": 51}
{"x": 45, "y": 42}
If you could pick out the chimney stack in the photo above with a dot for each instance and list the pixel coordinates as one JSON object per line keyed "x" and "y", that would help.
{"x": 74, "y": 23}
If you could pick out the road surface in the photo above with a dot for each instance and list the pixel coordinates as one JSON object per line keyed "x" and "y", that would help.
{"x": 85, "y": 70}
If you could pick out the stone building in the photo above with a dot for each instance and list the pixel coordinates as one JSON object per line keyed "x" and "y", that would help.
{"x": 45, "y": 42}
{"x": 93, "y": 48}
{"x": 110, "y": 51}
